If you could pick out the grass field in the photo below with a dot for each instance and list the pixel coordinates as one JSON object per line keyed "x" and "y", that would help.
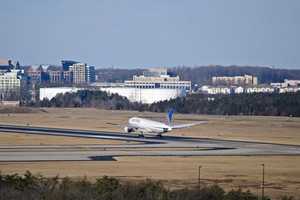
{"x": 282, "y": 172}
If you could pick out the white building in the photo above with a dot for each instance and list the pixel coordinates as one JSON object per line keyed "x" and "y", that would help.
{"x": 238, "y": 90}
{"x": 79, "y": 73}
{"x": 153, "y": 86}
{"x": 9, "y": 81}
{"x": 215, "y": 90}
{"x": 291, "y": 83}
{"x": 145, "y": 95}
{"x": 49, "y": 93}
{"x": 234, "y": 80}
{"x": 261, "y": 89}
{"x": 158, "y": 78}
{"x": 289, "y": 89}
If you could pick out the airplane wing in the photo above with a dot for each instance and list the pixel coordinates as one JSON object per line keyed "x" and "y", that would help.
{"x": 179, "y": 126}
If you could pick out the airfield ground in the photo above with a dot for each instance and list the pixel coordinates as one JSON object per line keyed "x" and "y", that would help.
{"x": 282, "y": 172}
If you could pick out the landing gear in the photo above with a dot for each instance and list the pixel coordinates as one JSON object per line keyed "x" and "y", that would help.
{"x": 141, "y": 135}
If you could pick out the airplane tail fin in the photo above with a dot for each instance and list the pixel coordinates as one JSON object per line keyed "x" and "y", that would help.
{"x": 170, "y": 116}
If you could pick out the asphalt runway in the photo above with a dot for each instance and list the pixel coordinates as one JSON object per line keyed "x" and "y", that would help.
{"x": 149, "y": 146}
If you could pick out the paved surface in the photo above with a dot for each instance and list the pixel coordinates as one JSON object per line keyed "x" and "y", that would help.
{"x": 148, "y": 146}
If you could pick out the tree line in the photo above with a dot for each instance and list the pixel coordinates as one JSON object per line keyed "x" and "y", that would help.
{"x": 287, "y": 104}
{"x": 273, "y": 104}
{"x": 87, "y": 98}
{"x": 37, "y": 187}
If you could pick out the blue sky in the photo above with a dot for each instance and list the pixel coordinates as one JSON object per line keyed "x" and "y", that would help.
{"x": 135, "y": 33}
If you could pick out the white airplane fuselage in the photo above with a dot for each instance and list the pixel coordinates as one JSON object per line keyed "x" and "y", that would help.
{"x": 146, "y": 126}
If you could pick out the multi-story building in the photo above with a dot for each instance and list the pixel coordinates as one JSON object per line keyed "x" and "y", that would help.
{"x": 67, "y": 63}
{"x": 35, "y": 74}
{"x": 55, "y": 77}
{"x": 67, "y": 77}
{"x": 158, "y": 78}
{"x": 10, "y": 84}
{"x": 246, "y": 80}
{"x": 90, "y": 74}
{"x": 79, "y": 73}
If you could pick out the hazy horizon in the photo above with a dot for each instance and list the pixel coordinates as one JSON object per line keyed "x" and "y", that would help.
{"x": 167, "y": 33}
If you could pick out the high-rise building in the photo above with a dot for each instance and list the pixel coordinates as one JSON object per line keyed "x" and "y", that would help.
{"x": 10, "y": 84}
{"x": 67, "y": 63}
{"x": 90, "y": 74}
{"x": 79, "y": 73}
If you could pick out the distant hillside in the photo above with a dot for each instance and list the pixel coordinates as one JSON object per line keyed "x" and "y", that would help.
{"x": 116, "y": 75}
{"x": 203, "y": 74}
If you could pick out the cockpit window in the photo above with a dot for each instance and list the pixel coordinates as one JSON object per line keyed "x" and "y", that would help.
{"x": 135, "y": 120}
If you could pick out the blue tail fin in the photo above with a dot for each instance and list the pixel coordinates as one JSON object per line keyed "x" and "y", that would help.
{"x": 170, "y": 115}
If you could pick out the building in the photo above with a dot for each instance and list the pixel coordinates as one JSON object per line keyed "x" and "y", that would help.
{"x": 67, "y": 77}
{"x": 260, "y": 89}
{"x": 10, "y": 84}
{"x": 90, "y": 74}
{"x": 153, "y": 86}
{"x": 215, "y": 90}
{"x": 236, "y": 90}
{"x": 49, "y": 93}
{"x": 246, "y": 80}
{"x": 35, "y": 74}
{"x": 239, "y": 90}
{"x": 55, "y": 77}
{"x": 67, "y": 63}
{"x": 287, "y": 86}
{"x": 158, "y": 78}
{"x": 145, "y": 95}
{"x": 79, "y": 73}
{"x": 291, "y": 83}
{"x": 289, "y": 89}
{"x": 5, "y": 68}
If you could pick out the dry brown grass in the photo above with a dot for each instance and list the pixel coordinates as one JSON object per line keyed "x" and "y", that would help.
{"x": 266, "y": 129}
{"x": 283, "y": 172}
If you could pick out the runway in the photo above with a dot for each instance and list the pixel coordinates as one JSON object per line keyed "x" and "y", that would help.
{"x": 149, "y": 146}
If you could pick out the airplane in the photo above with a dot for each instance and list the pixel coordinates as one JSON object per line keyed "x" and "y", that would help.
{"x": 150, "y": 127}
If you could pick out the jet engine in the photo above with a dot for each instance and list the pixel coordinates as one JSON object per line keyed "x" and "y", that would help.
{"x": 128, "y": 130}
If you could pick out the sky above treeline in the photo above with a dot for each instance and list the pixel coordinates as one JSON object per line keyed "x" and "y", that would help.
{"x": 144, "y": 33}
